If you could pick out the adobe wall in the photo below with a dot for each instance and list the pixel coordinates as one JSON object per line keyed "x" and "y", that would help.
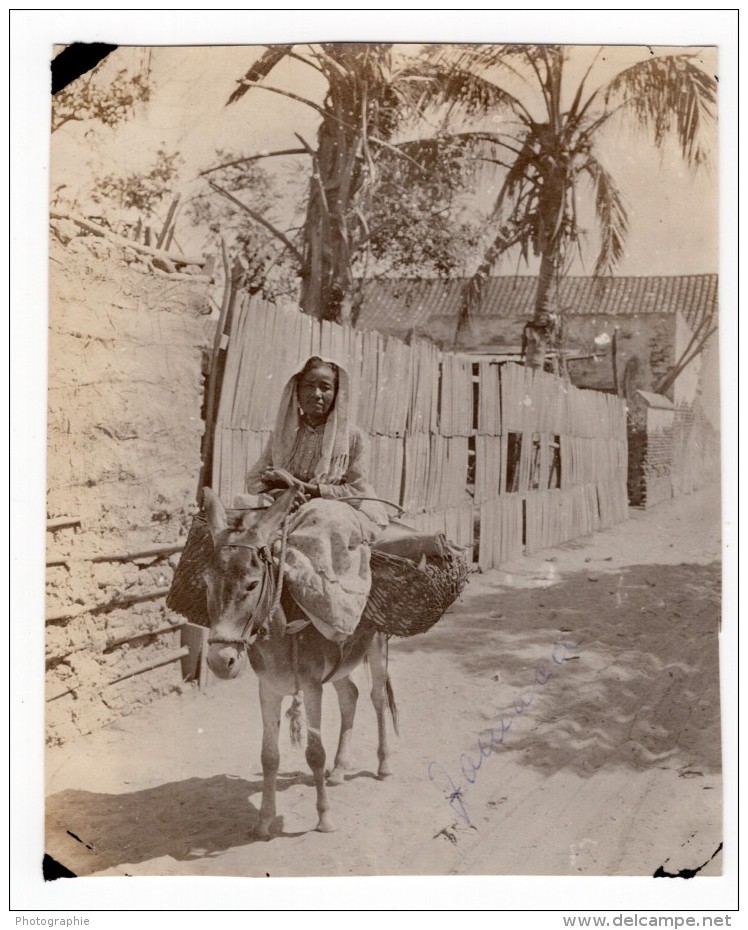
{"x": 650, "y": 451}
{"x": 644, "y": 348}
{"x": 645, "y": 344}
{"x": 696, "y": 432}
{"x": 126, "y": 360}
{"x": 696, "y": 439}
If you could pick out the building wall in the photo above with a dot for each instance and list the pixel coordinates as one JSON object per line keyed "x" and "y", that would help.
{"x": 650, "y": 451}
{"x": 696, "y": 444}
{"x": 126, "y": 348}
{"x": 686, "y": 386}
{"x": 644, "y": 346}
{"x": 696, "y": 450}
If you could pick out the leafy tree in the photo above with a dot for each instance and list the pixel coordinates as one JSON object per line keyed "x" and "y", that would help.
{"x": 418, "y": 216}
{"x": 413, "y": 220}
{"x": 552, "y": 157}
{"x": 141, "y": 192}
{"x": 373, "y": 95}
{"x": 108, "y": 102}
{"x": 270, "y": 266}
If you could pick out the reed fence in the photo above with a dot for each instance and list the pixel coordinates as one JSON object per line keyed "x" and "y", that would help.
{"x": 501, "y": 458}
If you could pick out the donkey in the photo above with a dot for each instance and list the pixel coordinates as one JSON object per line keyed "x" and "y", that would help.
{"x": 248, "y": 619}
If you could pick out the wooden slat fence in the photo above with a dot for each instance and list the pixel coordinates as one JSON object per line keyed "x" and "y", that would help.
{"x": 501, "y": 458}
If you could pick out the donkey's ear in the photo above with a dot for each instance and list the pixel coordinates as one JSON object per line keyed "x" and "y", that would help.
{"x": 271, "y": 519}
{"x": 214, "y": 511}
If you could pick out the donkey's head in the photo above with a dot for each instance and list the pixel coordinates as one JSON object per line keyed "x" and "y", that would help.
{"x": 240, "y": 580}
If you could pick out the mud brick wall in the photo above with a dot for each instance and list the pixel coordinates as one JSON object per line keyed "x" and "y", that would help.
{"x": 696, "y": 438}
{"x": 658, "y": 465}
{"x": 696, "y": 450}
{"x": 667, "y": 460}
{"x": 127, "y": 345}
{"x": 650, "y": 453}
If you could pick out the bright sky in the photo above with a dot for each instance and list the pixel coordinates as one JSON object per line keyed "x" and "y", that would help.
{"x": 673, "y": 213}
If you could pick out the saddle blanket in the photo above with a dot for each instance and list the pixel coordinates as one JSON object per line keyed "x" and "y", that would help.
{"x": 328, "y": 570}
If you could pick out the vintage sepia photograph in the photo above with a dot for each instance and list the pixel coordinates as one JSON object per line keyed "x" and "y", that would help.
{"x": 383, "y": 496}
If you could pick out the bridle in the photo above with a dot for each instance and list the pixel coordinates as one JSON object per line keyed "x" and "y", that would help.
{"x": 269, "y": 597}
{"x": 271, "y": 588}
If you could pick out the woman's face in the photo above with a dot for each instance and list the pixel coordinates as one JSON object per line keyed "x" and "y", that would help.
{"x": 316, "y": 392}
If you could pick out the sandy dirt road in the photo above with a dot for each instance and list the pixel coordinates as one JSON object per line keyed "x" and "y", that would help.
{"x": 588, "y": 674}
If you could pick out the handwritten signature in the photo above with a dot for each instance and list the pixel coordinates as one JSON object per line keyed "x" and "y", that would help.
{"x": 492, "y": 739}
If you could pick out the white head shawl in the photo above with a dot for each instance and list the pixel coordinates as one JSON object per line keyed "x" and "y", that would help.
{"x": 333, "y": 462}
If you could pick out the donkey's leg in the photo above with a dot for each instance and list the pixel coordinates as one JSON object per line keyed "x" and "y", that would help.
{"x": 270, "y": 705}
{"x": 378, "y": 666}
{"x": 347, "y": 697}
{"x": 315, "y": 752}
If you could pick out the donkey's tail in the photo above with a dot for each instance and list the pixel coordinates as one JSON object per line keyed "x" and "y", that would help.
{"x": 391, "y": 705}
{"x": 295, "y": 716}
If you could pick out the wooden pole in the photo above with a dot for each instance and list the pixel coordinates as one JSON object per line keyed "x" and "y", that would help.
{"x": 154, "y": 551}
{"x": 72, "y": 613}
{"x": 614, "y": 360}
{"x": 142, "y": 634}
{"x": 138, "y": 670}
{"x": 58, "y": 523}
{"x": 217, "y": 367}
{"x": 146, "y": 249}
{"x": 149, "y": 666}
{"x": 167, "y": 222}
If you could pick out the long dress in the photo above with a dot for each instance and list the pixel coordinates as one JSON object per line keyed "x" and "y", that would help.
{"x": 327, "y": 567}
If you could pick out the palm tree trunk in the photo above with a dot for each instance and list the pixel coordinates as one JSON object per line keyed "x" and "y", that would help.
{"x": 538, "y": 331}
{"x": 327, "y": 279}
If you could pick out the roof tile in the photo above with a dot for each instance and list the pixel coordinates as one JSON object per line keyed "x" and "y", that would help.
{"x": 411, "y": 302}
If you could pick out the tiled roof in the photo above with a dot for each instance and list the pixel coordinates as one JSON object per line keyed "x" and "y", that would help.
{"x": 411, "y": 302}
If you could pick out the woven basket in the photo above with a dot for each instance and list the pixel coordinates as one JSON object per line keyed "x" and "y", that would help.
{"x": 404, "y": 599}
{"x": 188, "y": 592}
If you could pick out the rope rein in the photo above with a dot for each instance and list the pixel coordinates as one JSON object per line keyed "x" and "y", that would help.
{"x": 281, "y": 570}
{"x": 277, "y": 587}
{"x": 294, "y": 713}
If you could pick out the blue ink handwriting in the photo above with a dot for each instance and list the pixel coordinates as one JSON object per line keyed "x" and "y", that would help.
{"x": 492, "y": 739}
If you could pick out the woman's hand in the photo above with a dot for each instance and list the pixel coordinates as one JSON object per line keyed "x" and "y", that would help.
{"x": 279, "y": 477}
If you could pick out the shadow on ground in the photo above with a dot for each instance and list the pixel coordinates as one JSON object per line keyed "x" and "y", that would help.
{"x": 191, "y": 819}
{"x": 640, "y": 687}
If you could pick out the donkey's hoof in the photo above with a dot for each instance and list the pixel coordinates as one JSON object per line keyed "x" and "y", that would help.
{"x": 325, "y": 826}
{"x": 336, "y": 777}
{"x": 385, "y": 770}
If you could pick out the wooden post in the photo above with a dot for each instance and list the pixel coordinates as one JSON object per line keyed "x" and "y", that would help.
{"x": 71, "y": 613}
{"x": 217, "y": 367}
{"x": 58, "y": 523}
{"x": 167, "y": 222}
{"x": 614, "y": 360}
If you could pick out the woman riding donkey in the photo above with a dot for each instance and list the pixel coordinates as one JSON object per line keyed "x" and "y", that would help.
{"x": 316, "y": 449}
{"x": 322, "y": 551}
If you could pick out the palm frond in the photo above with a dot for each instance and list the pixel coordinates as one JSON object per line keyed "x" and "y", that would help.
{"x": 612, "y": 217}
{"x": 498, "y": 56}
{"x": 464, "y": 144}
{"x": 460, "y": 90}
{"x": 260, "y": 69}
{"x": 516, "y": 179}
{"x": 665, "y": 95}
{"x": 574, "y": 109}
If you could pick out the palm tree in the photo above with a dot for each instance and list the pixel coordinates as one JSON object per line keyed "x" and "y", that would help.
{"x": 374, "y": 93}
{"x": 551, "y": 155}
